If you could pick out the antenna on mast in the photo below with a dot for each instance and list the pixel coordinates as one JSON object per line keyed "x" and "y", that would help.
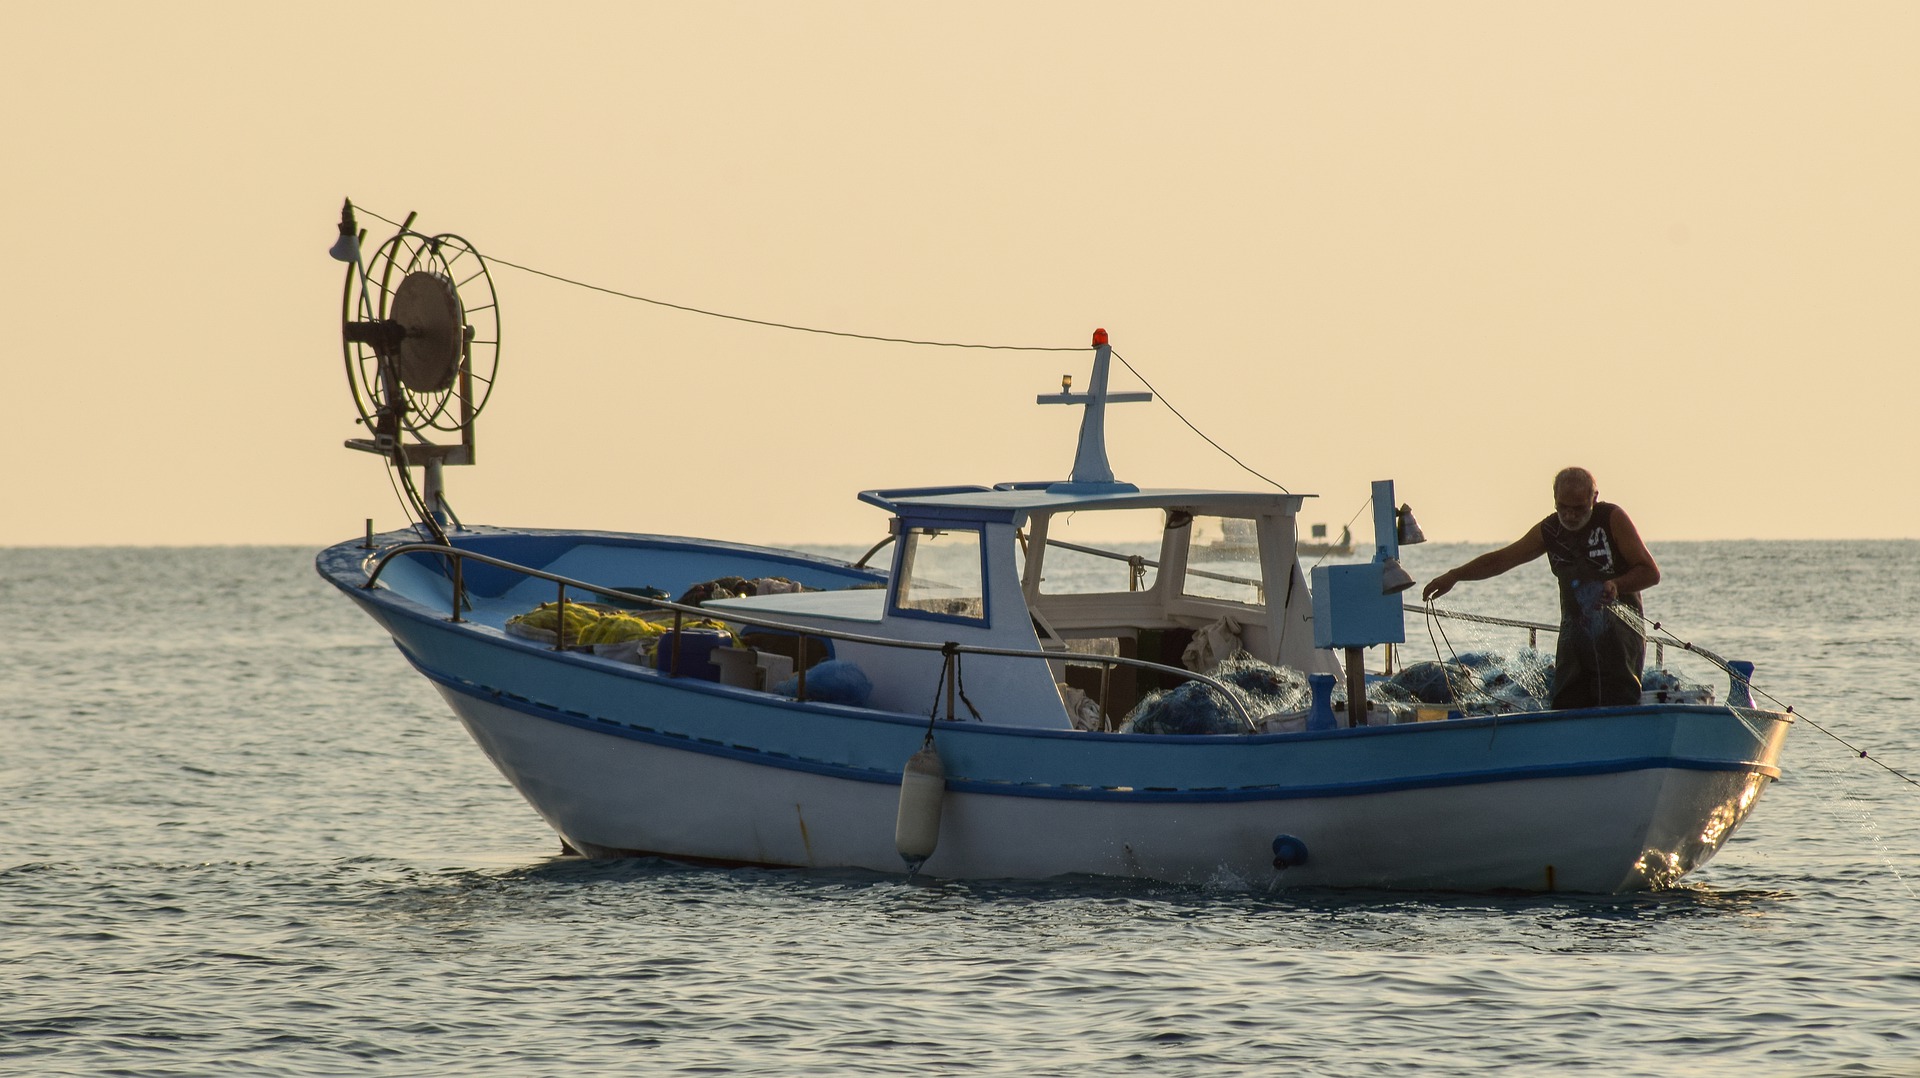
{"x": 1091, "y": 472}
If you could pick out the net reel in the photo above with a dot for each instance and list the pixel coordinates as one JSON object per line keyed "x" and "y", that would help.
{"x": 420, "y": 332}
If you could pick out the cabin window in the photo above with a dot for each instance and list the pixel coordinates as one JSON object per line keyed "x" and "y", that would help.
{"x": 1115, "y": 550}
{"x": 941, "y": 573}
{"x": 1223, "y": 560}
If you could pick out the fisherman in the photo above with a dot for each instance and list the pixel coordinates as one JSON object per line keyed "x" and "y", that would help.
{"x": 1599, "y": 558}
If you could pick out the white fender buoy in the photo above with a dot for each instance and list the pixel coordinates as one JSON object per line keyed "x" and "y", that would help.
{"x": 916, "y": 828}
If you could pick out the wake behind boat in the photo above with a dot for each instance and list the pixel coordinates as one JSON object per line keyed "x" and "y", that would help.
{"x": 1002, "y": 699}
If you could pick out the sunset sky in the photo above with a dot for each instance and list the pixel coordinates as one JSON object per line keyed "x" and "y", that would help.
{"x": 1455, "y": 245}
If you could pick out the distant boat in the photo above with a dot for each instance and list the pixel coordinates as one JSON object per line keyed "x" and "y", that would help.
{"x": 1318, "y": 546}
{"x": 1237, "y": 542}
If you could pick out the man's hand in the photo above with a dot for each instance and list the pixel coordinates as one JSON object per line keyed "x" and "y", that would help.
{"x": 1439, "y": 585}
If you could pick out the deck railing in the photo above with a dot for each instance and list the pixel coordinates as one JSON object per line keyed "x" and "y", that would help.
{"x": 1534, "y": 628}
{"x": 459, "y": 557}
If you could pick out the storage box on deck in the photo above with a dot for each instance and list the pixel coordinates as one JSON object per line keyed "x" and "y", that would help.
{"x": 689, "y": 653}
{"x": 749, "y": 669}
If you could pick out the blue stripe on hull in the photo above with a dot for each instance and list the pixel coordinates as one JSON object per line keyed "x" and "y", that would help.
{"x": 751, "y": 754}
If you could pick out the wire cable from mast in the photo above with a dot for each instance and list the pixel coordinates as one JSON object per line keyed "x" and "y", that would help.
{"x": 1161, "y": 397}
{"x": 759, "y": 321}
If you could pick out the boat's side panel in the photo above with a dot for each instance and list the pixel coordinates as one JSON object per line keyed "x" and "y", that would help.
{"x": 609, "y": 796}
{"x": 1480, "y": 837}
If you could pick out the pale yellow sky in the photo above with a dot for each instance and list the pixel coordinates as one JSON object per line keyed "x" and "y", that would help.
{"x": 1456, "y": 245}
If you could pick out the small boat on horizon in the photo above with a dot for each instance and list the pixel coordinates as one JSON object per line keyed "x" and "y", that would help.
{"x": 1318, "y": 545}
{"x": 982, "y": 704}
{"x": 1237, "y": 542}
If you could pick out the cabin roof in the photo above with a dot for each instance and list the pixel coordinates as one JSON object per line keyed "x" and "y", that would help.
{"x": 1014, "y": 502}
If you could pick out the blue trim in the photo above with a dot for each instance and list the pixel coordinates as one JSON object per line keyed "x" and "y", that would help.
{"x": 889, "y": 498}
{"x": 538, "y": 549}
{"x": 971, "y": 514}
{"x": 761, "y": 758}
{"x": 633, "y": 732}
{"x": 929, "y": 615}
{"x": 1072, "y": 486}
{"x": 1360, "y": 789}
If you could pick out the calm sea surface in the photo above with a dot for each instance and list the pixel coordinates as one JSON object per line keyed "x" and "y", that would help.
{"x": 241, "y": 836}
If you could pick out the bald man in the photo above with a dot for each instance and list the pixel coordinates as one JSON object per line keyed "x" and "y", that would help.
{"x": 1599, "y": 558}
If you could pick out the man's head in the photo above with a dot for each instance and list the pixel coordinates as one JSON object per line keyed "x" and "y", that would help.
{"x": 1574, "y": 495}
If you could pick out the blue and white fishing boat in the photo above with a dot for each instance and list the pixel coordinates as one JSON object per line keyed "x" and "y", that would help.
{"x": 961, "y": 711}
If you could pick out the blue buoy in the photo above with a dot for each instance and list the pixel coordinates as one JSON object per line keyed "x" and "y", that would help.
{"x": 1288, "y": 851}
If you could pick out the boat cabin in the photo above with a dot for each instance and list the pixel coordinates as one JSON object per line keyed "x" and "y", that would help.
{"x": 1180, "y": 578}
{"x": 1005, "y": 567}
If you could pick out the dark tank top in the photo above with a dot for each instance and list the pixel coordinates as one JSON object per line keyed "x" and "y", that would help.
{"x": 1588, "y": 552}
{"x": 1583, "y": 557}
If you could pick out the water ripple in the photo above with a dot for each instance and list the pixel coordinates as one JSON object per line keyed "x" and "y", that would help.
{"x": 254, "y": 842}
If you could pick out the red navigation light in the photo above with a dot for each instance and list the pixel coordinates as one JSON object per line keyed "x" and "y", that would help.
{"x": 1099, "y": 337}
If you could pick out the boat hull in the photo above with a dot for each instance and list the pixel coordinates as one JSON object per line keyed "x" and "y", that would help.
{"x": 613, "y": 796}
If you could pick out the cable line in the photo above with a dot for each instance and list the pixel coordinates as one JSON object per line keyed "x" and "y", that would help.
{"x": 1161, "y": 397}
{"x": 758, "y": 321}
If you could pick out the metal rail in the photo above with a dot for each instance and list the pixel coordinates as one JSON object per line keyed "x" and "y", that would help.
{"x": 1534, "y": 628}
{"x": 1141, "y": 559}
{"x": 459, "y": 556}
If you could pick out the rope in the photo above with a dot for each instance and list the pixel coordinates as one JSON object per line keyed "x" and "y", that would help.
{"x": 960, "y": 683}
{"x": 1433, "y": 623}
{"x": 757, "y": 321}
{"x": 1436, "y": 622}
{"x": 1162, "y": 398}
{"x": 1645, "y": 627}
{"x": 950, "y": 668}
{"x": 1158, "y": 395}
{"x": 1349, "y": 529}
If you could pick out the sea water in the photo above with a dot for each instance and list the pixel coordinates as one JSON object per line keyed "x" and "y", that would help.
{"x": 241, "y": 836}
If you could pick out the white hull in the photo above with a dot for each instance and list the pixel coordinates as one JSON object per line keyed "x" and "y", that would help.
{"x": 609, "y": 795}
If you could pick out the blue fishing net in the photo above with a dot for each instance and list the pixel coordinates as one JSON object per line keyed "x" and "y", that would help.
{"x": 1473, "y": 683}
{"x": 1194, "y": 707}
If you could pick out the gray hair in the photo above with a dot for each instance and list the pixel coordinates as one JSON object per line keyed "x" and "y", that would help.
{"x": 1579, "y": 476}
